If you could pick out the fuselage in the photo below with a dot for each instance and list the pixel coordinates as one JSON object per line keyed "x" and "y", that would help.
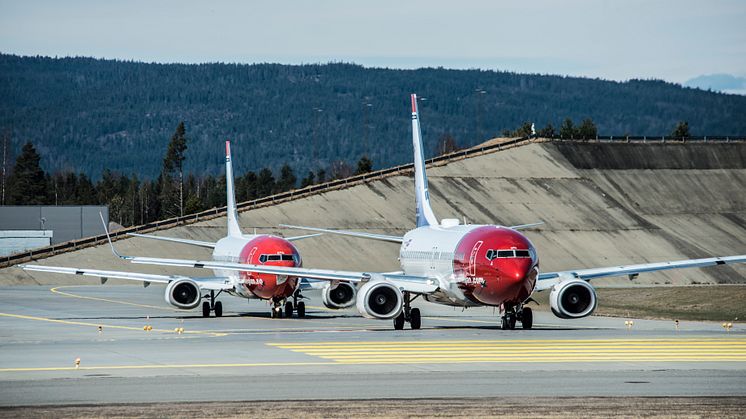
{"x": 259, "y": 250}
{"x": 475, "y": 264}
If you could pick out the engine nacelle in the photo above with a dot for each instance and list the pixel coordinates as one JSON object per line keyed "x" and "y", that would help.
{"x": 572, "y": 299}
{"x": 340, "y": 296}
{"x": 379, "y": 300}
{"x": 183, "y": 293}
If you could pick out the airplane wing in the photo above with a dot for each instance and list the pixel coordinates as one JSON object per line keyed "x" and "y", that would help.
{"x": 175, "y": 240}
{"x": 414, "y": 284}
{"x": 549, "y": 279}
{"x": 373, "y": 236}
{"x": 212, "y": 283}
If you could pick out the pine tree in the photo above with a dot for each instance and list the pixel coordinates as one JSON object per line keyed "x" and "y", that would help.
{"x": 587, "y": 129}
{"x": 287, "y": 179}
{"x": 265, "y": 183}
{"x": 308, "y": 180}
{"x": 567, "y": 130}
{"x": 27, "y": 184}
{"x": 547, "y": 131}
{"x": 172, "y": 174}
{"x": 364, "y": 165}
{"x": 681, "y": 131}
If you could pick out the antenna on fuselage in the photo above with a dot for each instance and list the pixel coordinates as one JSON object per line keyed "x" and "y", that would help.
{"x": 425, "y": 214}
{"x": 231, "y": 212}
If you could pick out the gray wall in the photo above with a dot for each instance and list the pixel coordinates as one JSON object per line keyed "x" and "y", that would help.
{"x": 67, "y": 222}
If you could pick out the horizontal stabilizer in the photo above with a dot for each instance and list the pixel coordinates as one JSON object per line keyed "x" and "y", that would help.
{"x": 175, "y": 240}
{"x": 373, "y": 236}
{"x": 525, "y": 226}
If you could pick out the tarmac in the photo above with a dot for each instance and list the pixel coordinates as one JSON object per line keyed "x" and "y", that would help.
{"x": 338, "y": 355}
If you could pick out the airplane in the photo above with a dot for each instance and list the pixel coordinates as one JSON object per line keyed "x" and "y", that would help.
{"x": 453, "y": 264}
{"x": 186, "y": 293}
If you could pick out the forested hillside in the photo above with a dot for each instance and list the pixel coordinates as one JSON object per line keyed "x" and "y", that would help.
{"x": 86, "y": 115}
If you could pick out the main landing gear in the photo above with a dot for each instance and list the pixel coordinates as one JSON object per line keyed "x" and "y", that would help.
{"x": 283, "y": 306}
{"x": 517, "y": 313}
{"x": 212, "y": 305}
{"x": 408, "y": 314}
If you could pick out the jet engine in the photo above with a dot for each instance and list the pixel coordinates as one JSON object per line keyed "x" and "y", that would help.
{"x": 340, "y": 296}
{"x": 379, "y": 300}
{"x": 572, "y": 299}
{"x": 183, "y": 293}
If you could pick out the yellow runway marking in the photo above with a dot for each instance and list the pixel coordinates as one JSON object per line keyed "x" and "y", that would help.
{"x": 56, "y": 290}
{"x": 106, "y": 326}
{"x": 525, "y": 350}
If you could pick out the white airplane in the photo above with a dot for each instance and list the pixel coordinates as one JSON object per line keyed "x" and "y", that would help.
{"x": 452, "y": 264}
{"x": 243, "y": 249}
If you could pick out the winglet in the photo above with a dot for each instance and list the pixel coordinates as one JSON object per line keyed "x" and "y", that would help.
{"x": 231, "y": 213}
{"x": 425, "y": 214}
{"x": 108, "y": 237}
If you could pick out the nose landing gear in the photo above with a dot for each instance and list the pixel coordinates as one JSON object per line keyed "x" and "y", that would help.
{"x": 286, "y": 307}
{"x": 517, "y": 313}
{"x": 408, "y": 314}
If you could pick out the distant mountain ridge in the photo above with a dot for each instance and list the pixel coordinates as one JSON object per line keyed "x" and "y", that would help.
{"x": 726, "y": 83}
{"x": 88, "y": 114}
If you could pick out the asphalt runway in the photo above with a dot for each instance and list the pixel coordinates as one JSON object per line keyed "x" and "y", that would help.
{"x": 332, "y": 355}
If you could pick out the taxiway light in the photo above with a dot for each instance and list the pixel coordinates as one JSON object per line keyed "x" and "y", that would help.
{"x": 727, "y": 326}
{"x": 629, "y": 324}
{"x": 100, "y": 330}
{"x": 77, "y": 363}
{"x": 676, "y": 324}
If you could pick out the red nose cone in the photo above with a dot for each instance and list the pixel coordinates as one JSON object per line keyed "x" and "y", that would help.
{"x": 270, "y": 251}
{"x": 497, "y": 265}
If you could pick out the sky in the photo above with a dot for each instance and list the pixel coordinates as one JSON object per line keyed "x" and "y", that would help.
{"x": 673, "y": 40}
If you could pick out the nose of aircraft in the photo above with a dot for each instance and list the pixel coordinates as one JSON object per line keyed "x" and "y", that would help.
{"x": 515, "y": 270}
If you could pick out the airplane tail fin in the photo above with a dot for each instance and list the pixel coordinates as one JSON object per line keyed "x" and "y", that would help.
{"x": 232, "y": 214}
{"x": 425, "y": 214}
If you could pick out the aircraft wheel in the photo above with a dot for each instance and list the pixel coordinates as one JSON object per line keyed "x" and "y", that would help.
{"x": 527, "y": 318}
{"x": 301, "y": 309}
{"x": 205, "y": 309}
{"x": 510, "y": 317}
{"x": 399, "y": 321}
{"x": 218, "y": 309}
{"x": 288, "y": 309}
{"x": 414, "y": 319}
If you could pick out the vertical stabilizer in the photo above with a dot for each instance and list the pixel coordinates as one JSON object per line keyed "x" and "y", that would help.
{"x": 231, "y": 213}
{"x": 425, "y": 215}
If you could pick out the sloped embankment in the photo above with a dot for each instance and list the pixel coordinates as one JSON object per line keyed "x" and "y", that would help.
{"x": 603, "y": 204}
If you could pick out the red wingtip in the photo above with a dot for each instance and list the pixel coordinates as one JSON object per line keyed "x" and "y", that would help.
{"x": 414, "y": 103}
{"x": 227, "y": 147}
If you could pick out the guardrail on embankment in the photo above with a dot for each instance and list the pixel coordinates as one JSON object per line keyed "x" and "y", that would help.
{"x": 45, "y": 252}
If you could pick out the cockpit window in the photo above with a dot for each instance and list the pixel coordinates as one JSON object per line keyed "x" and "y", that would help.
{"x": 274, "y": 258}
{"x": 502, "y": 254}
